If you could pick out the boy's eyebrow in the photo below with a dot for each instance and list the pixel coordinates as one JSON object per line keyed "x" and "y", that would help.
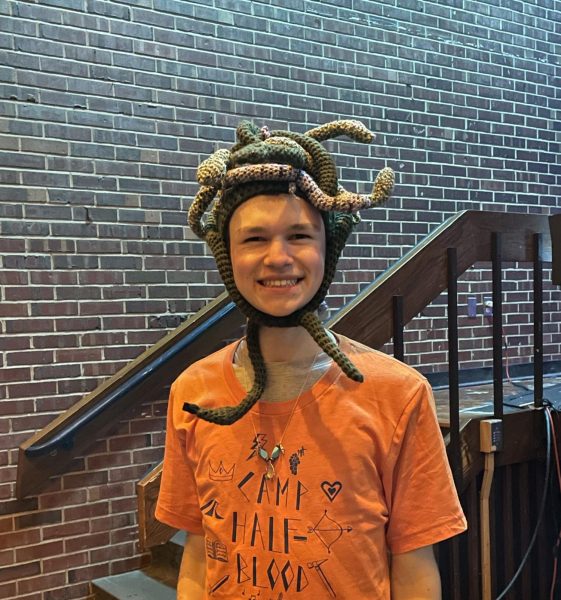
{"x": 295, "y": 227}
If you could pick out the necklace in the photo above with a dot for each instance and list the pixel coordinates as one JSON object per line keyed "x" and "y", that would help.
{"x": 278, "y": 448}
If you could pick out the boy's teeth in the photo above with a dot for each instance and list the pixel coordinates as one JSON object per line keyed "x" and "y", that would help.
{"x": 280, "y": 282}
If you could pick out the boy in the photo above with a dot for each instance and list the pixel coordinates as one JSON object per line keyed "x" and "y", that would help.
{"x": 330, "y": 479}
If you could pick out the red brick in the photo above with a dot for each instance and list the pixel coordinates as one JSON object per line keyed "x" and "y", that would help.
{"x": 127, "y": 322}
{"x": 32, "y": 596}
{"x": 65, "y": 561}
{"x": 124, "y": 505}
{"x": 57, "y": 403}
{"x": 99, "y": 338}
{"x": 13, "y": 309}
{"x": 134, "y": 472}
{"x": 125, "y": 565}
{"x": 105, "y": 369}
{"x": 62, "y": 499}
{"x": 15, "y": 506}
{"x": 126, "y": 442}
{"x": 30, "y": 292}
{"x": 18, "y": 572}
{"x": 78, "y": 324}
{"x": 104, "y": 308}
{"x": 8, "y": 590}
{"x": 14, "y": 343}
{"x": 146, "y": 425}
{"x": 11, "y": 245}
{"x": 54, "y": 309}
{"x": 16, "y": 374}
{"x": 12, "y": 440}
{"x": 158, "y": 439}
{"x": 147, "y": 456}
{"x": 79, "y": 355}
{"x": 86, "y": 511}
{"x": 111, "y": 522}
{"x": 108, "y": 461}
{"x": 101, "y": 277}
{"x": 6, "y": 491}
{"x": 124, "y": 534}
{"x": 84, "y": 542}
{"x": 57, "y": 371}
{"x": 54, "y": 277}
{"x": 122, "y": 352}
{"x": 13, "y": 277}
{"x": 113, "y": 552}
{"x": 88, "y": 573}
{"x": 114, "y": 490}
{"x": 39, "y": 551}
{"x": 32, "y": 389}
{"x": 31, "y": 422}
{"x": 38, "y": 518}
{"x": 6, "y": 558}
{"x": 80, "y": 591}
{"x": 145, "y": 337}
{"x": 43, "y": 582}
{"x": 65, "y": 530}
{"x": 75, "y": 385}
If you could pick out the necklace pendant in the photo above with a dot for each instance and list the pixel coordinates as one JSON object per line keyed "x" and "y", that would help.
{"x": 263, "y": 453}
{"x": 277, "y": 451}
{"x": 270, "y": 472}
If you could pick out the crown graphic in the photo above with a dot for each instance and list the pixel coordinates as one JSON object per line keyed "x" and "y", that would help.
{"x": 221, "y": 473}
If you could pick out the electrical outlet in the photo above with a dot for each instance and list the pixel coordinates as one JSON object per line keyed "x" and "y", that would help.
{"x": 488, "y": 306}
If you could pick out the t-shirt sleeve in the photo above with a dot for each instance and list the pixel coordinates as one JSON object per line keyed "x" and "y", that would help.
{"x": 423, "y": 504}
{"x": 178, "y": 504}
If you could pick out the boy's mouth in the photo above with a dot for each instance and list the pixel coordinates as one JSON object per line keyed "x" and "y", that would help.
{"x": 279, "y": 283}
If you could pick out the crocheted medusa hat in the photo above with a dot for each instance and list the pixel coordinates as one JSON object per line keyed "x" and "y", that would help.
{"x": 276, "y": 162}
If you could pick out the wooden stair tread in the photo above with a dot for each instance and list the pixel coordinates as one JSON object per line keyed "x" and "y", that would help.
{"x": 135, "y": 585}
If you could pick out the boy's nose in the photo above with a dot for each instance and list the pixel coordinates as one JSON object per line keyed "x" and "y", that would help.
{"x": 278, "y": 254}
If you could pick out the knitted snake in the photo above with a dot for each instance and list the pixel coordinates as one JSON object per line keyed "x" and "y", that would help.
{"x": 276, "y": 162}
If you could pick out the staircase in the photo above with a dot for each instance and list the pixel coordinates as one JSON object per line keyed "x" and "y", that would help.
{"x": 155, "y": 582}
{"x": 376, "y": 316}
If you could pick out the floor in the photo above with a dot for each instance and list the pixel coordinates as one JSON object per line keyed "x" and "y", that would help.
{"x": 477, "y": 400}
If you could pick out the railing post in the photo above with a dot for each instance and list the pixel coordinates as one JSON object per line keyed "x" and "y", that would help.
{"x": 398, "y": 345}
{"x": 538, "y": 320}
{"x": 453, "y": 367}
{"x": 496, "y": 261}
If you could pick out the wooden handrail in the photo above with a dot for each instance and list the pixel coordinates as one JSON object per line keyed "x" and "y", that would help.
{"x": 420, "y": 276}
{"x": 49, "y": 451}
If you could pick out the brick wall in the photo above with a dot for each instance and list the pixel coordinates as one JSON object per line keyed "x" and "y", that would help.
{"x": 106, "y": 110}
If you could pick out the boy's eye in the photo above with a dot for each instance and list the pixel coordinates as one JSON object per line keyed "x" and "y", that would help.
{"x": 253, "y": 238}
{"x": 301, "y": 236}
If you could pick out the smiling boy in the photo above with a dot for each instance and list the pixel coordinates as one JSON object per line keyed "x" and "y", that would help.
{"x": 330, "y": 478}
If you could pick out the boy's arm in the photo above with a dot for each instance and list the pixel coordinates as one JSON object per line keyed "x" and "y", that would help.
{"x": 192, "y": 572}
{"x": 415, "y": 576}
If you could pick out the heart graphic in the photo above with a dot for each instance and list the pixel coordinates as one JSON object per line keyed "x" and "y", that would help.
{"x": 331, "y": 490}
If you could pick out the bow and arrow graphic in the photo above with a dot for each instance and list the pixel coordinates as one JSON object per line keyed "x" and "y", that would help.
{"x": 328, "y": 531}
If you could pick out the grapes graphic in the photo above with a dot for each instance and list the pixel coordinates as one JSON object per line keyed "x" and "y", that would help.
{"x": 294, "y": 462}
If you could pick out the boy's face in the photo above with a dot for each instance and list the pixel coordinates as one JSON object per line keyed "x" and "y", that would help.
{"x": 277, "y": 249}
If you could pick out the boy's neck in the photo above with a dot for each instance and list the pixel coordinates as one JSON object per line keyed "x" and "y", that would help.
{"x": 286, "y": 344}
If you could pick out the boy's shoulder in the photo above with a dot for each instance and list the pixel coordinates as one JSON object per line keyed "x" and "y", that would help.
{"x": 209, "y": 365}
{"x": 377, "y": 363}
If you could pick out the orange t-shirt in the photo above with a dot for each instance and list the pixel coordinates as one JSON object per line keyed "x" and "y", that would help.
{"x": 364, "y": 473}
